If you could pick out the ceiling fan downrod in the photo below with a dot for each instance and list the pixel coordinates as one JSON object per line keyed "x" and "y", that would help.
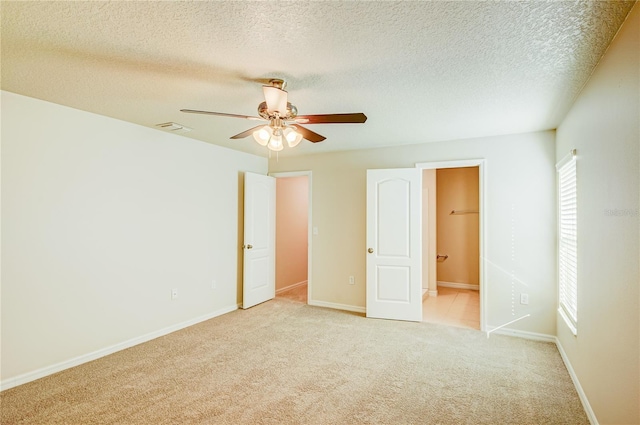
{"x": 278, "y": 83}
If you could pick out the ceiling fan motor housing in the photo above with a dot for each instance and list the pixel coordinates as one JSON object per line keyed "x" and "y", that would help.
{"x": 263, "y": 111}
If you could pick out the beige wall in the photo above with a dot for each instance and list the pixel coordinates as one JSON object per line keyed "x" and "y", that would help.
{"x": 292, "y": 215}
{"x": 100, "y": 220}
{"x": 429, "y": 231}
{"x": 604, "y": 126}
{"x": 520, "y": 220}
{"x": 458, "y": 235}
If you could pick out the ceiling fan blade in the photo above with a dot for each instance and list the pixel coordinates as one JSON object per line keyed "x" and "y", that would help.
{"x": 276, "y": 99}
{"x": 221, "y": 114}
{"x": 357, "y": 118}
{"x": 308, "y": 134}
{"x": 246, "y": 133}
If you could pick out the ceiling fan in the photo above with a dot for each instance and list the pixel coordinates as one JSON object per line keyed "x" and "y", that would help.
{"x": 283, "y": 120}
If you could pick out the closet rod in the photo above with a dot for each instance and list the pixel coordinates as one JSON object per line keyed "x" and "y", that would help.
{"x": 453, "y": 212}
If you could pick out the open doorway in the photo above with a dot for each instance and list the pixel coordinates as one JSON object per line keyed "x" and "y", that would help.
{"x": 292, "y": 236}
{"x": 452, "y": 243}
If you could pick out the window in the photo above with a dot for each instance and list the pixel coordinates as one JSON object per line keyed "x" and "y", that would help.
{"x": 568, "y": 241}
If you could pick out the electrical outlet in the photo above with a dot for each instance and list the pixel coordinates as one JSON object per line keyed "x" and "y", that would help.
{"x": 214, "y": 284}
{"x": 174, "y": 293}
{"x": 352, "y": 280}
{"x": 524, "y": 299}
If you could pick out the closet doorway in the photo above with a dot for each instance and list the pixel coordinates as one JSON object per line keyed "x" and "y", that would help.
{"x": 452, "y": 243}
{"x": 293, "y": 221}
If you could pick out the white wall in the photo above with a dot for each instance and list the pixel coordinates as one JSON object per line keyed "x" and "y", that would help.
{"x": 604, "y": 126}
{"x": 521, "y": 220}
{"x": 100, "y": 220}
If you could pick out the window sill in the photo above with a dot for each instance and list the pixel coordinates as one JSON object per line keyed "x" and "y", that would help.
{"x": 572, "y": 327}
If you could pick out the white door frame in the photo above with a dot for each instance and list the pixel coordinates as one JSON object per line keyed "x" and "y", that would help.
{"x": 309, "y": 221}
{"x": 481, "y": 164}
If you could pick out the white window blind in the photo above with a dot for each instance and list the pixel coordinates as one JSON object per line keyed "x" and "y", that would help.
{"x": 568, "y": 242}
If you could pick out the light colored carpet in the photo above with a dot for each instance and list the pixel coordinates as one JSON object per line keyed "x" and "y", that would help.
{"x": 284, "y": 362}
{"x": 299, "y": 293}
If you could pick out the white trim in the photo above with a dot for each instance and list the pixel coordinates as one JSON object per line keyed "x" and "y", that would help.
{"x": 568, "y": 321}
{"x": 295, "y": 285}
{"x": 483, "y": 219}
{"x": 459, "y": 285}
{"x": 576, "y": 383}
{"x": 309, "y": 175}
{"x": 286, "y": 174}
{"x": 565, "y": 160}
{"x": 76, "y": 361}
{"x": 450, "y": 164}
{"x": 337, "y": 306}
{"x": 522, "y": 334}
{"x": 433, "y": 293}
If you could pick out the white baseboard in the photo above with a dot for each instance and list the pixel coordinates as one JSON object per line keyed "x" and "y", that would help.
{"x": 522, "y": 334}
{"x": 459, "y": 285}
{"x": 295, "y": 285}
{"x": 76, "y": 361}
{"x": 337, "y": 306}
{"x": 576, "y": 383}
{"x": 433, "y": 293}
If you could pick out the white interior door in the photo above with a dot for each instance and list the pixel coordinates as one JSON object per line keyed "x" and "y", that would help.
{"x": 394, "y": 234}
{"x": 259, "y": 239}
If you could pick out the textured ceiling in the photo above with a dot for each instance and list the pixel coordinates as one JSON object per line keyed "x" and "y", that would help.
{"x": 420, "y": 71}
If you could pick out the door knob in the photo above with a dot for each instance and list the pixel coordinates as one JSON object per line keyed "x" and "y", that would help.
{"x": 249, "y": 246}
{"x": 370, "y": 250}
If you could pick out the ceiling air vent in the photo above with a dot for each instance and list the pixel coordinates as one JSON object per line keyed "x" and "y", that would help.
{"x": 174, "y": 127}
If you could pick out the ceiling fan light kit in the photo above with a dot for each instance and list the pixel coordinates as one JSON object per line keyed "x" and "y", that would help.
{"x": 275, "y": 141}
{"x": 262, "y": 135}
{"x": 283, "y": 120}
{"x": 292, "y": 136}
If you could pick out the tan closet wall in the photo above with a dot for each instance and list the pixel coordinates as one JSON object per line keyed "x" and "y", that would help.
{"x": 458, "y": 235}
{"x": 292, "y": 206}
